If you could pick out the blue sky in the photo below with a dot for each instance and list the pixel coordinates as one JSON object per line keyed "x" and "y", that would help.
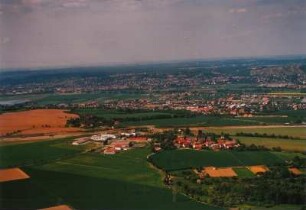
{"x": 46, "y": 33}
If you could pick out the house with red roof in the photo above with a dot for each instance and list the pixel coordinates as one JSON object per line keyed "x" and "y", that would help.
{"x": 139, "y": 139}
{"x": 109, "y": 151}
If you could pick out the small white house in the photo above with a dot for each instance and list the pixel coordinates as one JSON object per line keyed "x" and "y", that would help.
{"x": 102, "y": 137}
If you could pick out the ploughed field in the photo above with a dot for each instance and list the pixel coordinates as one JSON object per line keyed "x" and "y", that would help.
{"x": 35, "y": 122}
{"x": 86, "y": 181}
{"x": 184, "y": 159}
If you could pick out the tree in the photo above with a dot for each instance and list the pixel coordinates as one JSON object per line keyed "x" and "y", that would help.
{"x": 187, "y": 131}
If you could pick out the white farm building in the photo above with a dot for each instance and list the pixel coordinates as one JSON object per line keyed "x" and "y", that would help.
{"x": 102, "y": 137}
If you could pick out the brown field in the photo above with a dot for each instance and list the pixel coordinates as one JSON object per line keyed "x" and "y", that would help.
{"x": 35, "y": 122}
{"x": 60, "y": 207}
{"x": 295, "y": 171}
{"x": 219, "y": 172}
{"x": 258, "y": 169}
{"x": 12, "y": 174}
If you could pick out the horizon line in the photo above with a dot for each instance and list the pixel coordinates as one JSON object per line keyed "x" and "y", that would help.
{"x": 117, "y": 64}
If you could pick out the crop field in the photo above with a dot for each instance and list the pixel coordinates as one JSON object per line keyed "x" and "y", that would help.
{"x": 193, "y": 121}
{"x": 85, "y": 181}
{"x": 59, "y": 207}
{"x": 213, "y": 121}
{"x": 39, "y": 121}
{"x": 258, "y": 169}
{"x": 12, "y": 174}
{"x": 219, "y": 172}
{"x": 299, "y": 132}
{"x": 243, "y": 172}
{"x": 288, "y": 155}
{"x": 284, "y": 144}
{"x": 45, "y": 99}
{"x": 183, "y": 159}
{"x": 80, "y": 98}
{"x": 115, "y": 114}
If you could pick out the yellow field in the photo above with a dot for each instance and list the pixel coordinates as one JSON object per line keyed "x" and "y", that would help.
{"x": 12, "y": 174}
{"x": 258, "y": 169}
{"x": 219, "y": 172}
{"x": 295, "y": 131}
{"x": 284, "y": 144}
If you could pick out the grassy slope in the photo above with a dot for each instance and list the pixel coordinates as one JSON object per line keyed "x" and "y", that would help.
{"x": 87, "y": 181}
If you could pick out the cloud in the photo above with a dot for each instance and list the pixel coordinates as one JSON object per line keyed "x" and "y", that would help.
{"x": 238, "y": 10}
{"x": 4, "y": 40}
{"x": 75, "y": 4}
{"x": 86, "y": 32}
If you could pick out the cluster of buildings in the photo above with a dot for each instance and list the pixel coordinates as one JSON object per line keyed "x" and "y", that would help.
{"x": 198, "y": 143}
{"x": 246, "y": 105}
{"x": 111, "y": 144}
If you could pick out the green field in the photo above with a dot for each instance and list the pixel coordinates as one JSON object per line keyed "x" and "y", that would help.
{"x": 80, "y": 98}
{"x": 182, "y": 159}
{"x": 87, "y": 181}
{"x": 45, "y": 99}
{"x": 288, "y": 155}
{"x": 278, "y": 207}
{"x": 243, "y": 172}
{"x": 299, "y": 132}
{"x": 36, "y": 153}
{"x": 211, "y": 121}
{"x": 119, "y": 114}
{"x": 193, "y": 121}
{"x": 286, "y": 144}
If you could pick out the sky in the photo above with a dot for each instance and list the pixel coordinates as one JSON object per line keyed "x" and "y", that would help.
{"x": 52, "y": 33}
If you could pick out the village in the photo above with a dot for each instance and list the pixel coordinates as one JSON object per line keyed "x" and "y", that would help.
{"x": 116, "y": 142}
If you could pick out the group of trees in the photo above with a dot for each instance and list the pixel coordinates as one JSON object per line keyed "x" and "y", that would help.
{"x": 278, "y": 186}
{"x": 92, "y": 120}
{"x": 265, "y": 135}
{"x": 89, "y": 121}
{"x": 165, "y": 139}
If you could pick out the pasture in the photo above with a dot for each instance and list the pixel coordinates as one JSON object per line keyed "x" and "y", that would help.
{"x": 183, "y": 159}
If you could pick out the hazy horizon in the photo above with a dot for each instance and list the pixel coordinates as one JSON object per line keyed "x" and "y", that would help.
{"x": 65, "y": 33}
{"x": 161, "y": 62}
